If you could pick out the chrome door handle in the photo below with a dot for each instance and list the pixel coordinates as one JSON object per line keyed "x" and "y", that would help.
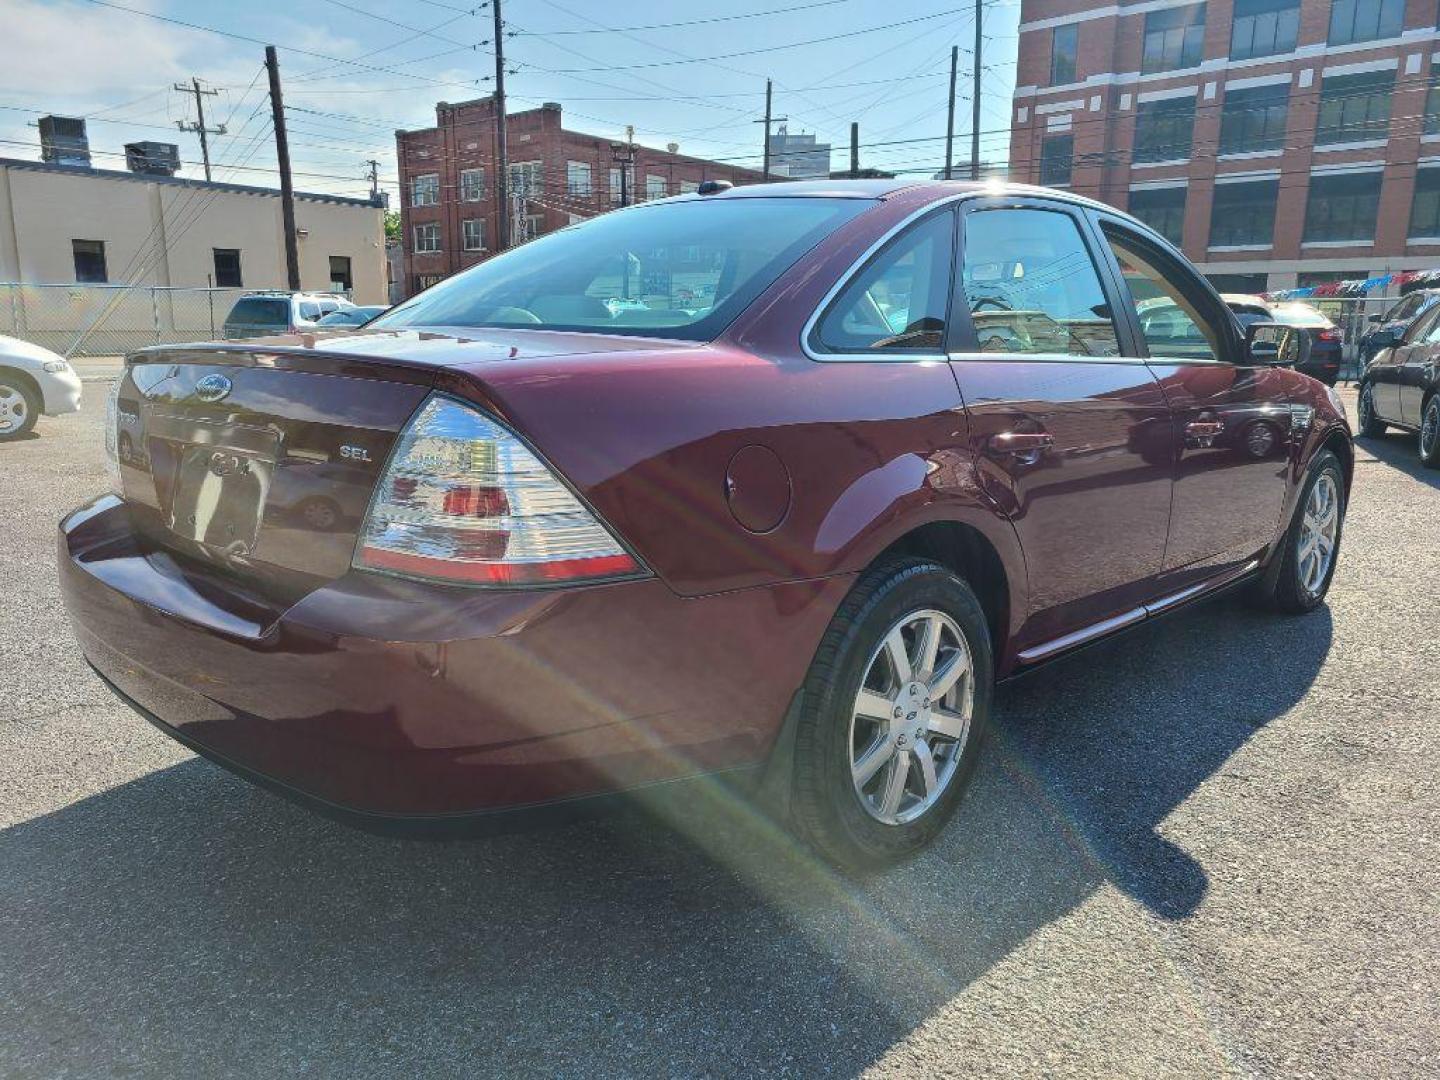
{"x": 1203, "y": 429}
{"x": 1021, "y": 442}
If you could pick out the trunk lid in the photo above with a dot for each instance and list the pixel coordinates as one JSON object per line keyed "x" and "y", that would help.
{"x": 259, "y": 458}
{"x": 260, "y": 468}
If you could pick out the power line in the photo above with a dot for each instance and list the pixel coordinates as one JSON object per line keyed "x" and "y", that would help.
{"x": 687, "y": 22}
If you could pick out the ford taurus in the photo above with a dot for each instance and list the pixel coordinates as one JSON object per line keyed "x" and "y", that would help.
{"x": 777, "y": 480}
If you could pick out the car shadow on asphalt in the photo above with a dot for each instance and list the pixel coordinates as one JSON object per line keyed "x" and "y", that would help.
{"x": 1398, "y": 450}
{"x": 186, "y": 923}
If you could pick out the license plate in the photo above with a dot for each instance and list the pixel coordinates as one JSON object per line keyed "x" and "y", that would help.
{"x": 220, "y": 490}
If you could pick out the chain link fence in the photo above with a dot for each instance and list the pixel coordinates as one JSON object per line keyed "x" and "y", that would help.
{"x": 111, "y": 320}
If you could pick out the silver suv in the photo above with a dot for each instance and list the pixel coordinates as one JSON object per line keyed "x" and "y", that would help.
{"x": 260, "y": 314}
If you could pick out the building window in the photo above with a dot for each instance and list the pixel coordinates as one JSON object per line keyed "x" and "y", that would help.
{"x": 473, "y": 234}
{"x": 577, "y": 179}
{"x": 1245, "y": 284}
{"x": 1342, "y": 207}
{"x": 472, "y": 185}
{"x": 227, "y": 268}
{"x": 1254, "y": 119}
{"x": 425, "y": 190}
{"x": 1174, "y": 39}
{"x": 617, "y": 190}
{"x": 1163, "y": 209}
{"x": 89, "y": 260}
{"x": 1354, "y": 108}
{"x": 427, "y": 238}
{"x": 1164, "y": 129}
{"x": 1243, "y": 214}
{"x": 1352, "y": 21}
{"x": 655, "y": 187}
{"x": 1064, "y": 43}
{"x": 1425, "y": 210}
{"x": 1432, "y": 101}
{"x": 534, "y": 225}
{"x": 527, "y": 179}
{"x": 689, "y": 187}
{"x": 1056, "y": 153}
{"x": 341, "y": 279}
{"x": 1263, "y": 28}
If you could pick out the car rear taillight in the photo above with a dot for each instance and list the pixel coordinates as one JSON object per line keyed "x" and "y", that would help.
{"x": 463, "y": 499}
{"x": 1331, "y": 334}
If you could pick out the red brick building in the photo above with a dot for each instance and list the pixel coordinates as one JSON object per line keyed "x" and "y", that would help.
{"x": 1279, "y": 142}
{"x": 449, "y": 198}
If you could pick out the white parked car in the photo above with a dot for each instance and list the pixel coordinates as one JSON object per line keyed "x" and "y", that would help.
{"x": 33, "y": 381}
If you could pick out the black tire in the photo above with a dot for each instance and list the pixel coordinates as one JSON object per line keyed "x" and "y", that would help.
{"x": 1287, "y": 592}
{"x": 1370, "y": 425}
{"x": 1430, "y": 432}
{"x": 17, "y": 395}
{"x": 826, "y": 805}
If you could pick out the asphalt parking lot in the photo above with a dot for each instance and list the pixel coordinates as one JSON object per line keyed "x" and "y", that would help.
{"x": 1209, "y": 848}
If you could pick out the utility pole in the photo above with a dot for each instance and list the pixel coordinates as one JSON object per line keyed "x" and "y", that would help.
{"x": 769, "y": 119}
{"x": 950, "y": 112}
{"x": 854, "y": 149}
{"x": 282, "y": 156}
{"x": 623, "y": 154}
{"x": 374, "y": 181}
{"x": 502, "y": 154}
{"x": 199, "y": 125}
{"x": 975, "y": 103}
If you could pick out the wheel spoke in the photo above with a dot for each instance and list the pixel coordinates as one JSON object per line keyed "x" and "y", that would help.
{"x": 899, "y": 659}
{"x": 956, "y": 664}
{"x": 927, "y": 646}
{"x": 864, "y": 770}
{"x": 927, "y": 766}
{"x": 1312, "y": 523}
{"x": 948, "y": 724}
{"x": 895, "y": 784}
{"x": 873, "y": 705}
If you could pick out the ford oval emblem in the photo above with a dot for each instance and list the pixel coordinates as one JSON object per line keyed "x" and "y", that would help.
{"x": 212, "y": 387}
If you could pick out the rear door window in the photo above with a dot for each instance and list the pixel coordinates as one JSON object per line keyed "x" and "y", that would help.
{"x": 310, "y": 310}
{"x": 899, "y": 302}
{"x": 1031, "y": 285}
{"x": 1175, "y": 316}
{"x": 259, "y": 311}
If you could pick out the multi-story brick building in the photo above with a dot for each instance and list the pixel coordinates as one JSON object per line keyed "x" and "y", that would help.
{"x": 1279, "y": 142}
{"x": 449, "y": 202}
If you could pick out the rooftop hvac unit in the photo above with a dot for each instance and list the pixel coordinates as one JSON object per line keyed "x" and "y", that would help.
{"x": 152, "y": 158}
{"x": 63, "y": 141}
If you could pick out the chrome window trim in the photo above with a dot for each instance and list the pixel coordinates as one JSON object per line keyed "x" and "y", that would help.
{"x": 849, "y": 275}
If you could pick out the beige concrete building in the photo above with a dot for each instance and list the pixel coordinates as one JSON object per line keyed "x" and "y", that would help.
{"x": 63, "y": 224}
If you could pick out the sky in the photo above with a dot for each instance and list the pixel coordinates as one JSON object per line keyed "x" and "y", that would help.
{"x": 354, "y": 71}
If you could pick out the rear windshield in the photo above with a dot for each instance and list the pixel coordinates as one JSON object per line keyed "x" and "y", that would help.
{"x": 681, "y": 270}
{"x": 1300, "y": 315}
{"x": 259, "y": 311}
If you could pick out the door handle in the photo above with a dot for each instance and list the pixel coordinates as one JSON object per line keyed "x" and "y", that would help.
{"x": 1025, "y": 446}
{"x": 1204, "y": 429}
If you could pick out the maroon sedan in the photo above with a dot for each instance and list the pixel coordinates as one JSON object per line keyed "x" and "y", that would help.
{"x": 777, "y": 480}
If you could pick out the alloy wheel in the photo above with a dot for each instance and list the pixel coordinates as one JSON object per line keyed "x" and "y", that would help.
{"x": 912, "y": 716}
{"x": 1318, "y": 530}
{"x": 1365, "y": 407}
{"x": 14, "y": 409}
{"x": 1430, "y": 428}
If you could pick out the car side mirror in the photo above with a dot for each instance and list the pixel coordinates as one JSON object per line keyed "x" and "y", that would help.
{"x": 1383, "y": 338}
{"x": 1269, "y": 344}
{"x": 1376, "y": 317}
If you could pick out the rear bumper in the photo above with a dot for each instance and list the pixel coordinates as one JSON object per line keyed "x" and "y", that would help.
{"x": 396, "y": 700}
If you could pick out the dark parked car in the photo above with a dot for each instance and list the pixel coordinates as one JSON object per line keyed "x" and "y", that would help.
{"x": 1325, "y": 340}
{"x": 1401, "y": 387}
{"x": 351, "y": 316}
{"x": 781, "y": 513}
{"x": 1389, "y": 327}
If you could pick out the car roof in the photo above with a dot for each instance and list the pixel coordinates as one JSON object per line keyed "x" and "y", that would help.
{"x": 840, "y": 188}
